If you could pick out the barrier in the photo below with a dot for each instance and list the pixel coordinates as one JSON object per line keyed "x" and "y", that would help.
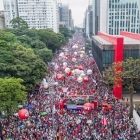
{"x": 136, "y": 118}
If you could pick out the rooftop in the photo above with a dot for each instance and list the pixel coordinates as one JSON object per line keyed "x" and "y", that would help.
{"x": 101, "y": 40}
{"x": 127, "y": 40}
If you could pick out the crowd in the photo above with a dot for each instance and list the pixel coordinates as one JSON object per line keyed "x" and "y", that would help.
{"x": 71, "y": 124}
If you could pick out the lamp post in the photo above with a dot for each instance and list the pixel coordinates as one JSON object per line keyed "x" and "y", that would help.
{"x": 50, "y": 86}
{"x": 52, "y": 92}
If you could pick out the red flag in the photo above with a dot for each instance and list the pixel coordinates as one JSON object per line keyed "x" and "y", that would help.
{"x": 104, "y": 121}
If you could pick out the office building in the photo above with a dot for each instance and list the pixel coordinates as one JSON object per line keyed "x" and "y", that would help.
{"x": 65, "y": 16}
{"x": 104, "y": 49}
{"x": 96, "y": 12}
{"x": 88, "y": 21}
{"x": 107, "y": 49}
{"x": 70, "y": 20}
{"x": 2, "y": 20}
{"x": 40, "y": 14}
{"x": 119, "y": 15}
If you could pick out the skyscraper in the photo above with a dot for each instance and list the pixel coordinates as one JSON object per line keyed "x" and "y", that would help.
{"x": 88, "y": 23}
{"x": 39, "y": 14}
{"x": 117, "y": 15}
{"x": 96, "y": 11}
{"x": 65, "y": 16}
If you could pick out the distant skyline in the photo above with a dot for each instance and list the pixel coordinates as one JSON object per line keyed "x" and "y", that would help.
{"x": 78, "y": 8}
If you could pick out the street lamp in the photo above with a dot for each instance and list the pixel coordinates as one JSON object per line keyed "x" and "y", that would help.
{"x": 50, "y": 85}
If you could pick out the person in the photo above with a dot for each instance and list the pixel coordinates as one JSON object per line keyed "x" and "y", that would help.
{"x": 1, "y": 136}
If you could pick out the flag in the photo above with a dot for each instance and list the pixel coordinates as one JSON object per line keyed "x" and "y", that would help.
{"x": 104, "y": 121}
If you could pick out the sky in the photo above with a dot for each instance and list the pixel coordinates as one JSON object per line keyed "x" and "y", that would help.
{"x": 78, "y": 8}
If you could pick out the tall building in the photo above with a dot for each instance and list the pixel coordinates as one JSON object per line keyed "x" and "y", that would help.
{"x": 70, "y": 19}
{"x": 96, "y": 11}
{"x": 65, "y": 16}
{"x": 2, "y": 20}
{"x": 39, "y": 14}
{"x": 89, "y": 21}
{"x": 117, "y": 15}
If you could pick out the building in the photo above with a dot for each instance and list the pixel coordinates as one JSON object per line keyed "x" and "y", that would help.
{"x": 107, "y": 49}
{"x": 96, "y": 12}
{"x": 88, "y": 21}
{"x": 104, "y": 50}
{"x": 72, "y": 24}
{"x": 39, "y": 14}
{"x": 71, "y": 21}
{"x": 65, "y": 16}
{"x": 2, "y": 20}
{"x": 119, "y": 15}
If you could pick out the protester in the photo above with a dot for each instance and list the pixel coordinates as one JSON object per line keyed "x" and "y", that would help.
{"x": 70, "y": 124}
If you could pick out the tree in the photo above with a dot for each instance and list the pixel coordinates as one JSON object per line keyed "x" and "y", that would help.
{"x": 32, "y": 33}
{"x": 50, "y": 38}
{"x": 61, "y": 39}
{"x": 130, "y": 77}
{"x": 45, "y": 54}
{"x": 18, "y": 22}
{"x": 12, "y": 92}
{"x": 37, "y": 44}
{"x": 65, "y": 31}
{"x": 8, "y": 37}
{"x": 20, "y": 62}
{"x": 25, "y": 39}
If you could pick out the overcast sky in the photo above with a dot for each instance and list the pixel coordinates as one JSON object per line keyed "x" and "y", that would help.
{"x": 78, "y": 8}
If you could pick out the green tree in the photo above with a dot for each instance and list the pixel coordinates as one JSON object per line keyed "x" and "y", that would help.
{"x": 130, "y": 77}
{"x": 65, "y": 31}
{"x": 37, "y": 44}
{"x": 11, "y": 93}
{"x": 8, "y": 37}
{"x": 61, "y": 39}
{"x": 32, "y": 33}
{"x": 20, "y": 62}
{"x": 18, "y": 22}
{"x": 17, "y": 31}
{"x": 50, "y": 38}
{"x": 25, "y": 39}
{"x": 45, "y": 54}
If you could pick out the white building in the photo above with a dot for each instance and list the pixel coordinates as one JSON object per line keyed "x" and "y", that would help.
{"x": 117, "y": 15}
{"x": 39, "y": 14}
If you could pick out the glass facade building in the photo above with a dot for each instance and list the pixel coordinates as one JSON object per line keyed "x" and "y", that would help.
{"x": 120, "y": 15}
{"x": 105, "y": 57}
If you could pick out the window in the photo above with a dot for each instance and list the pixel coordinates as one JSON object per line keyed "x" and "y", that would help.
{"x": 131, "y": 53}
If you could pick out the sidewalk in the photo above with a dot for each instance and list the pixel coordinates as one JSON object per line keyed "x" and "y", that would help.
{"x": 136, "y": 97}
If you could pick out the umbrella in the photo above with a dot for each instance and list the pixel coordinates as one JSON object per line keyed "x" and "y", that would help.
{"x": 29, "y": 106}
{"x": 43, "y": 113}
{"x": 20, "y": 106}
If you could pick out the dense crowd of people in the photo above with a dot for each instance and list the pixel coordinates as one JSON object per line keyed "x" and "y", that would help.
{"x": 67, "y": 123}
